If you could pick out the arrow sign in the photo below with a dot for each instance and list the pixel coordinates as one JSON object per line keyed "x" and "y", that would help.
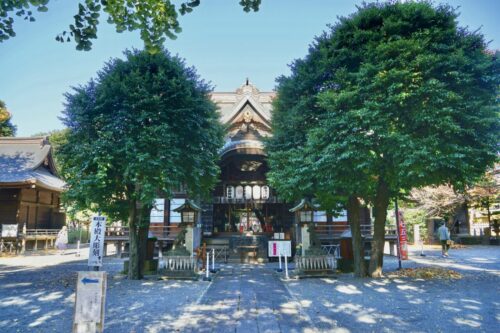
{"x": 87, "y": 280}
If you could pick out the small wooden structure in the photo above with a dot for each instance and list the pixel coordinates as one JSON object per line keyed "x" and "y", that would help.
{"x": 30, "y": 190}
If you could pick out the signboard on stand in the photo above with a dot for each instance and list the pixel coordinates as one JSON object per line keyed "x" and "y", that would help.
{"x": 9, "y": 230}
{"x": 89, "y": 302}
{"x": 96, "y": 247}
{"x": 275, "y": 247}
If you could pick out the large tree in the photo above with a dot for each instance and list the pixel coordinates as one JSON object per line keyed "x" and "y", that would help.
{"x": 402, "y": 96}
{"x": 145, "y": 126}
{"x": 6, "y": 126}
{"x": 155, "y": 19}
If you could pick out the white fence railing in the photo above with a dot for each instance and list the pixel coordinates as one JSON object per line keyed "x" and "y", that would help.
{"x": 180, "y": 263}
{"x": 315, "y": 263}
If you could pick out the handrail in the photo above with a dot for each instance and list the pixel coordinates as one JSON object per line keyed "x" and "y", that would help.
{"x": 161, "y": 231}
{"x": 226, "y": 200}
{"x": 42, "y": 232}
{"x": 335, "y": 230}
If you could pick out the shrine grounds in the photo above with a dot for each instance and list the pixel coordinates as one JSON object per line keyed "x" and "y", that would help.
{"x": 37, "y": 295}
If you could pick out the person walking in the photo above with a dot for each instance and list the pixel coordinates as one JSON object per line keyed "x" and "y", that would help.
{"x": 62, "y": 240}
{"x": 444, "y": 237}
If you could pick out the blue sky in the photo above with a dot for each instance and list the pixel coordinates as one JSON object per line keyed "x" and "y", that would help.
{"x": 225, "y": 44}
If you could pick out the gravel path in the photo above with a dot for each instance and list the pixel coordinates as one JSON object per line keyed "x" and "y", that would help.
{"x": 37, "y": 294}
{"x": 469, "y": 304}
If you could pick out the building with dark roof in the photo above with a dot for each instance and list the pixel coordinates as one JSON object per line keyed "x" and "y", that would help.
{"x": 30, "y": 187}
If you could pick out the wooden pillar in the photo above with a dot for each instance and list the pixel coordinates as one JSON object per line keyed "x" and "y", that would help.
{"x": 391, "y": 248}
{"x": 118, "y": 249}
{"x": 23, "y": 240}
{"x": 229, "y": 215}
{"x": 160, "y": 249}
{"x": 37, "y": 195}
{"x": 248, "y": 213}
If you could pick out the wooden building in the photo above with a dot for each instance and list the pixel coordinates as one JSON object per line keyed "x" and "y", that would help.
{"x": 29, "y": 185}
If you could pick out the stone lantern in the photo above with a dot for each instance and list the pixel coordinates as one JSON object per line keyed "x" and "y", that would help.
{"x": 189, "y": 212}
{"x": 305, "y": 218}
{"x": 189, "y": 216}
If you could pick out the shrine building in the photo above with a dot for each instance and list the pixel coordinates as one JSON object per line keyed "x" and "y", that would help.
{"x": 244, "y": 209}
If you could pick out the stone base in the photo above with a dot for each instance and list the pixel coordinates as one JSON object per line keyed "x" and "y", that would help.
{"x": 178, "y": 275}
{"x": 315, "y": 274}
{"x": 347, "y": 265}
{"x": 150, "y": 267}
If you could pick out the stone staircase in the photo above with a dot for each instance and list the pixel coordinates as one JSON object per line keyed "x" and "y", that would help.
{"x": 242, "y": 248}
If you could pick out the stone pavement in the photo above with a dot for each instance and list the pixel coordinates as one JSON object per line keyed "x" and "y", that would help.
{"x": 245, "y": 298}
{"x": 470, "y": 304}
{"x": 37, "y": 295}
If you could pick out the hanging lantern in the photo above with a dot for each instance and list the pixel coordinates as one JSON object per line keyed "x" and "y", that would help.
{"x": 256, "y": 192}
{"x": 248, "y": 192}
{"x": 264, "y": 192}
{"x": 239, "y": 192}
{"x": 230, "y": 192}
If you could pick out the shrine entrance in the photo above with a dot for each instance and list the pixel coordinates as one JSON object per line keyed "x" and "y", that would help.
{"x": 251, "y": 218}
{"x": 245, "y": 211}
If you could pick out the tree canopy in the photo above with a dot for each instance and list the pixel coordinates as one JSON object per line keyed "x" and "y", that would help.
{"x": 142, "y": 128}
{"x": 155, "y": 19}
{"x": 6, "y": 126}
{"x": 395, "y": 96}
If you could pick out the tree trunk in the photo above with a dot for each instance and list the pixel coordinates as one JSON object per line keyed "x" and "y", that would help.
{"x": 353, "y": 215}
{"x": 377, "y": 252}
{"x": 143, "y": 236}
{"x": 134, "y": 272}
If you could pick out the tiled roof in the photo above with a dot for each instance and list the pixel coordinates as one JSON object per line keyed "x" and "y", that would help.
{"x": 28, "y": 161}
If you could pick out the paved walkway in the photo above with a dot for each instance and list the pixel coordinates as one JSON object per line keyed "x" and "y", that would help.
{"x": 245, "y": 298}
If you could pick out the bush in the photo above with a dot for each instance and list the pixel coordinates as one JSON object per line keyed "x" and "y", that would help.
{"x": 74, "y": 235}
{"x": 415, "y": 217}
{"x": 470, "y": 240}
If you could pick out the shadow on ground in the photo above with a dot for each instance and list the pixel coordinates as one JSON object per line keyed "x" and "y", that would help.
{"x": 405, "y": 304}
{"x": 42, "y": 299}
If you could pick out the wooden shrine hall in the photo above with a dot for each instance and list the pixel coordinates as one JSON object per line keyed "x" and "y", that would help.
{"x": 30, "y": 189}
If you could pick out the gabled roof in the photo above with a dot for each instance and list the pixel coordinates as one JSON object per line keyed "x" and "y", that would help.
{"x": 231, "y": 104}
{"x": 28, "y": 161}
{"x": 304, "y": 204}
{"x": 263, "y": 114}
{"x": 187, "y": 205}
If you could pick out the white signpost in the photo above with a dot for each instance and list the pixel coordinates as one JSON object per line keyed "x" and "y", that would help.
{"x": 96, "y": 248}
{"x": 275, "y": 247}
{"x": 89, "y": 302}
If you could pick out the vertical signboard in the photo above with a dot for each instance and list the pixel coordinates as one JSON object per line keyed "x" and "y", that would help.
{"x": 403, "y": 238}
{"x": 96, "y": 248}
{"x": 89, "y": 302}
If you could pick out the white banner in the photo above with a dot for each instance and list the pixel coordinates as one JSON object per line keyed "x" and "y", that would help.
{"x": 96, "y": 246}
